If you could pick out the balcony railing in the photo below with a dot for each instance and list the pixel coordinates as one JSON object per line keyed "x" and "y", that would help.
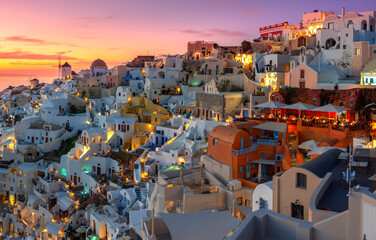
{"x": 267, "y": 142}
{"x": 245, "y": 150}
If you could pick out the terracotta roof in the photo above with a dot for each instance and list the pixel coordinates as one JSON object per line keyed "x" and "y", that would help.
{"x": 225, "y": 133}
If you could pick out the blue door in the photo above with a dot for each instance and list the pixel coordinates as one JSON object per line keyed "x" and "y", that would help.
{"x": 245, "y": 113}
{"x": 263, "y": 204}
{"x": 263, "y": 170}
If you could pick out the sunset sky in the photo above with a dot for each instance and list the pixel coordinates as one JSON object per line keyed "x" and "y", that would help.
{"x": 33, "y": 32}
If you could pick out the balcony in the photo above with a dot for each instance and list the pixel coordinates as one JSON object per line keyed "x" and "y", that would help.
{"x": 268, "y": 142}
{"x": 244, "y": 150}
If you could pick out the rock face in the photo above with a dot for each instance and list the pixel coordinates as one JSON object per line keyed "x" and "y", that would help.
{"x": 261, "y": 47}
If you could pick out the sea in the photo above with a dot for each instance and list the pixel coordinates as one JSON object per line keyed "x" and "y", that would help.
{"x": 5, "y": 82}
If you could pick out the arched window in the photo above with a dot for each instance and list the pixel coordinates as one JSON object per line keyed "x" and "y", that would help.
{"x": 63, "y": 172}
{"x": 215, "y": 142}
{"x": 364, "y": 25}
{"x": 350, "y": 24}
{"x": 330, "y": 43}
{"x": 372, "y": 26}
{"x": 302, "y": 41}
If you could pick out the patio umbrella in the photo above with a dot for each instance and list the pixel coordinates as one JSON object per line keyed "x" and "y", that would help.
{"x": 299, "y": 106}
{"x": 272, "y": 105}
{"x": 308, "y": 145}
{"x": 330, "y": 108}
{"x": 321, "y": 150}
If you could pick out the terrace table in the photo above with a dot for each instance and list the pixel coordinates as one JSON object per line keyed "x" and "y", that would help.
{"x": 343, "y": 156}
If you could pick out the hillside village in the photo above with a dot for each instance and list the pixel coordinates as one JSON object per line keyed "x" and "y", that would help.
{"x": 270, "y": 139}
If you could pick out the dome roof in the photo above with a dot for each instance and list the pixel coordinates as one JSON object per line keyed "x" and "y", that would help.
{"x": 370, "y": 67}
{"x": 66, "y": 64}
{"x": 225, "y": 133}
{"x": 98, "y": 63}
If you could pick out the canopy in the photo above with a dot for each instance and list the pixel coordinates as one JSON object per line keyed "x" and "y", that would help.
{"x": 270, "y": 104}
{"x": 299, "y": 106}
{"x": 272, "y": 126}
{"x": 309, "y": 145}
{"x": 321, "y": 150}
{"x": 330, "y": 108}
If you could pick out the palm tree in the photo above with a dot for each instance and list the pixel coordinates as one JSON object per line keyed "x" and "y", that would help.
{"x": 289, "y": 94}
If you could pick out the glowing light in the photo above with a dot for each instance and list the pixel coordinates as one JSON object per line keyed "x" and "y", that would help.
{"x": 181, "y": 160}
{"x": 313, "y": 29}
{"x": 11, "y": 200}
{"x": 246, "y": 59}
{"x": 109, "y": 134}
{"x": 270, "y": 80}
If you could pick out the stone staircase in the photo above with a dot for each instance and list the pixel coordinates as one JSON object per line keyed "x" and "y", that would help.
{"x": 138, "y": 192}
{"x": 291, "y": 144}
{"x": 126, "y": 215}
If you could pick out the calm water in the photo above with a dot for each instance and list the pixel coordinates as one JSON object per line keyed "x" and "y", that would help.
{"x": 15, "y": 81}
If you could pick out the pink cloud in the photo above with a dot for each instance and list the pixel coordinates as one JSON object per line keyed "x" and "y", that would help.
{"x": 97, "y": 18}
{"x": 35, "y": 41}
{"x": 212, "y": 32}
{"x": 18, "y": 54}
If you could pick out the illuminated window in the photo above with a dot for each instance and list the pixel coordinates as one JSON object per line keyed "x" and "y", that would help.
{"x": 357, "y": 52}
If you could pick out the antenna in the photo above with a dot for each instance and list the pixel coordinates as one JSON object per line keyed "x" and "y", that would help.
{"x": 59, "y": 65}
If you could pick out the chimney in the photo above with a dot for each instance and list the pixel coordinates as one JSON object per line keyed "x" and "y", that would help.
{"x": 343, "y": 12}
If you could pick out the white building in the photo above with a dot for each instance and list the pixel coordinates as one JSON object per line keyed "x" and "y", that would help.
{"x": 262, "y": 197}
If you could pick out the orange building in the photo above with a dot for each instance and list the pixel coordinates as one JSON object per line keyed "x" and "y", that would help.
{"x": 253, "y": 151}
